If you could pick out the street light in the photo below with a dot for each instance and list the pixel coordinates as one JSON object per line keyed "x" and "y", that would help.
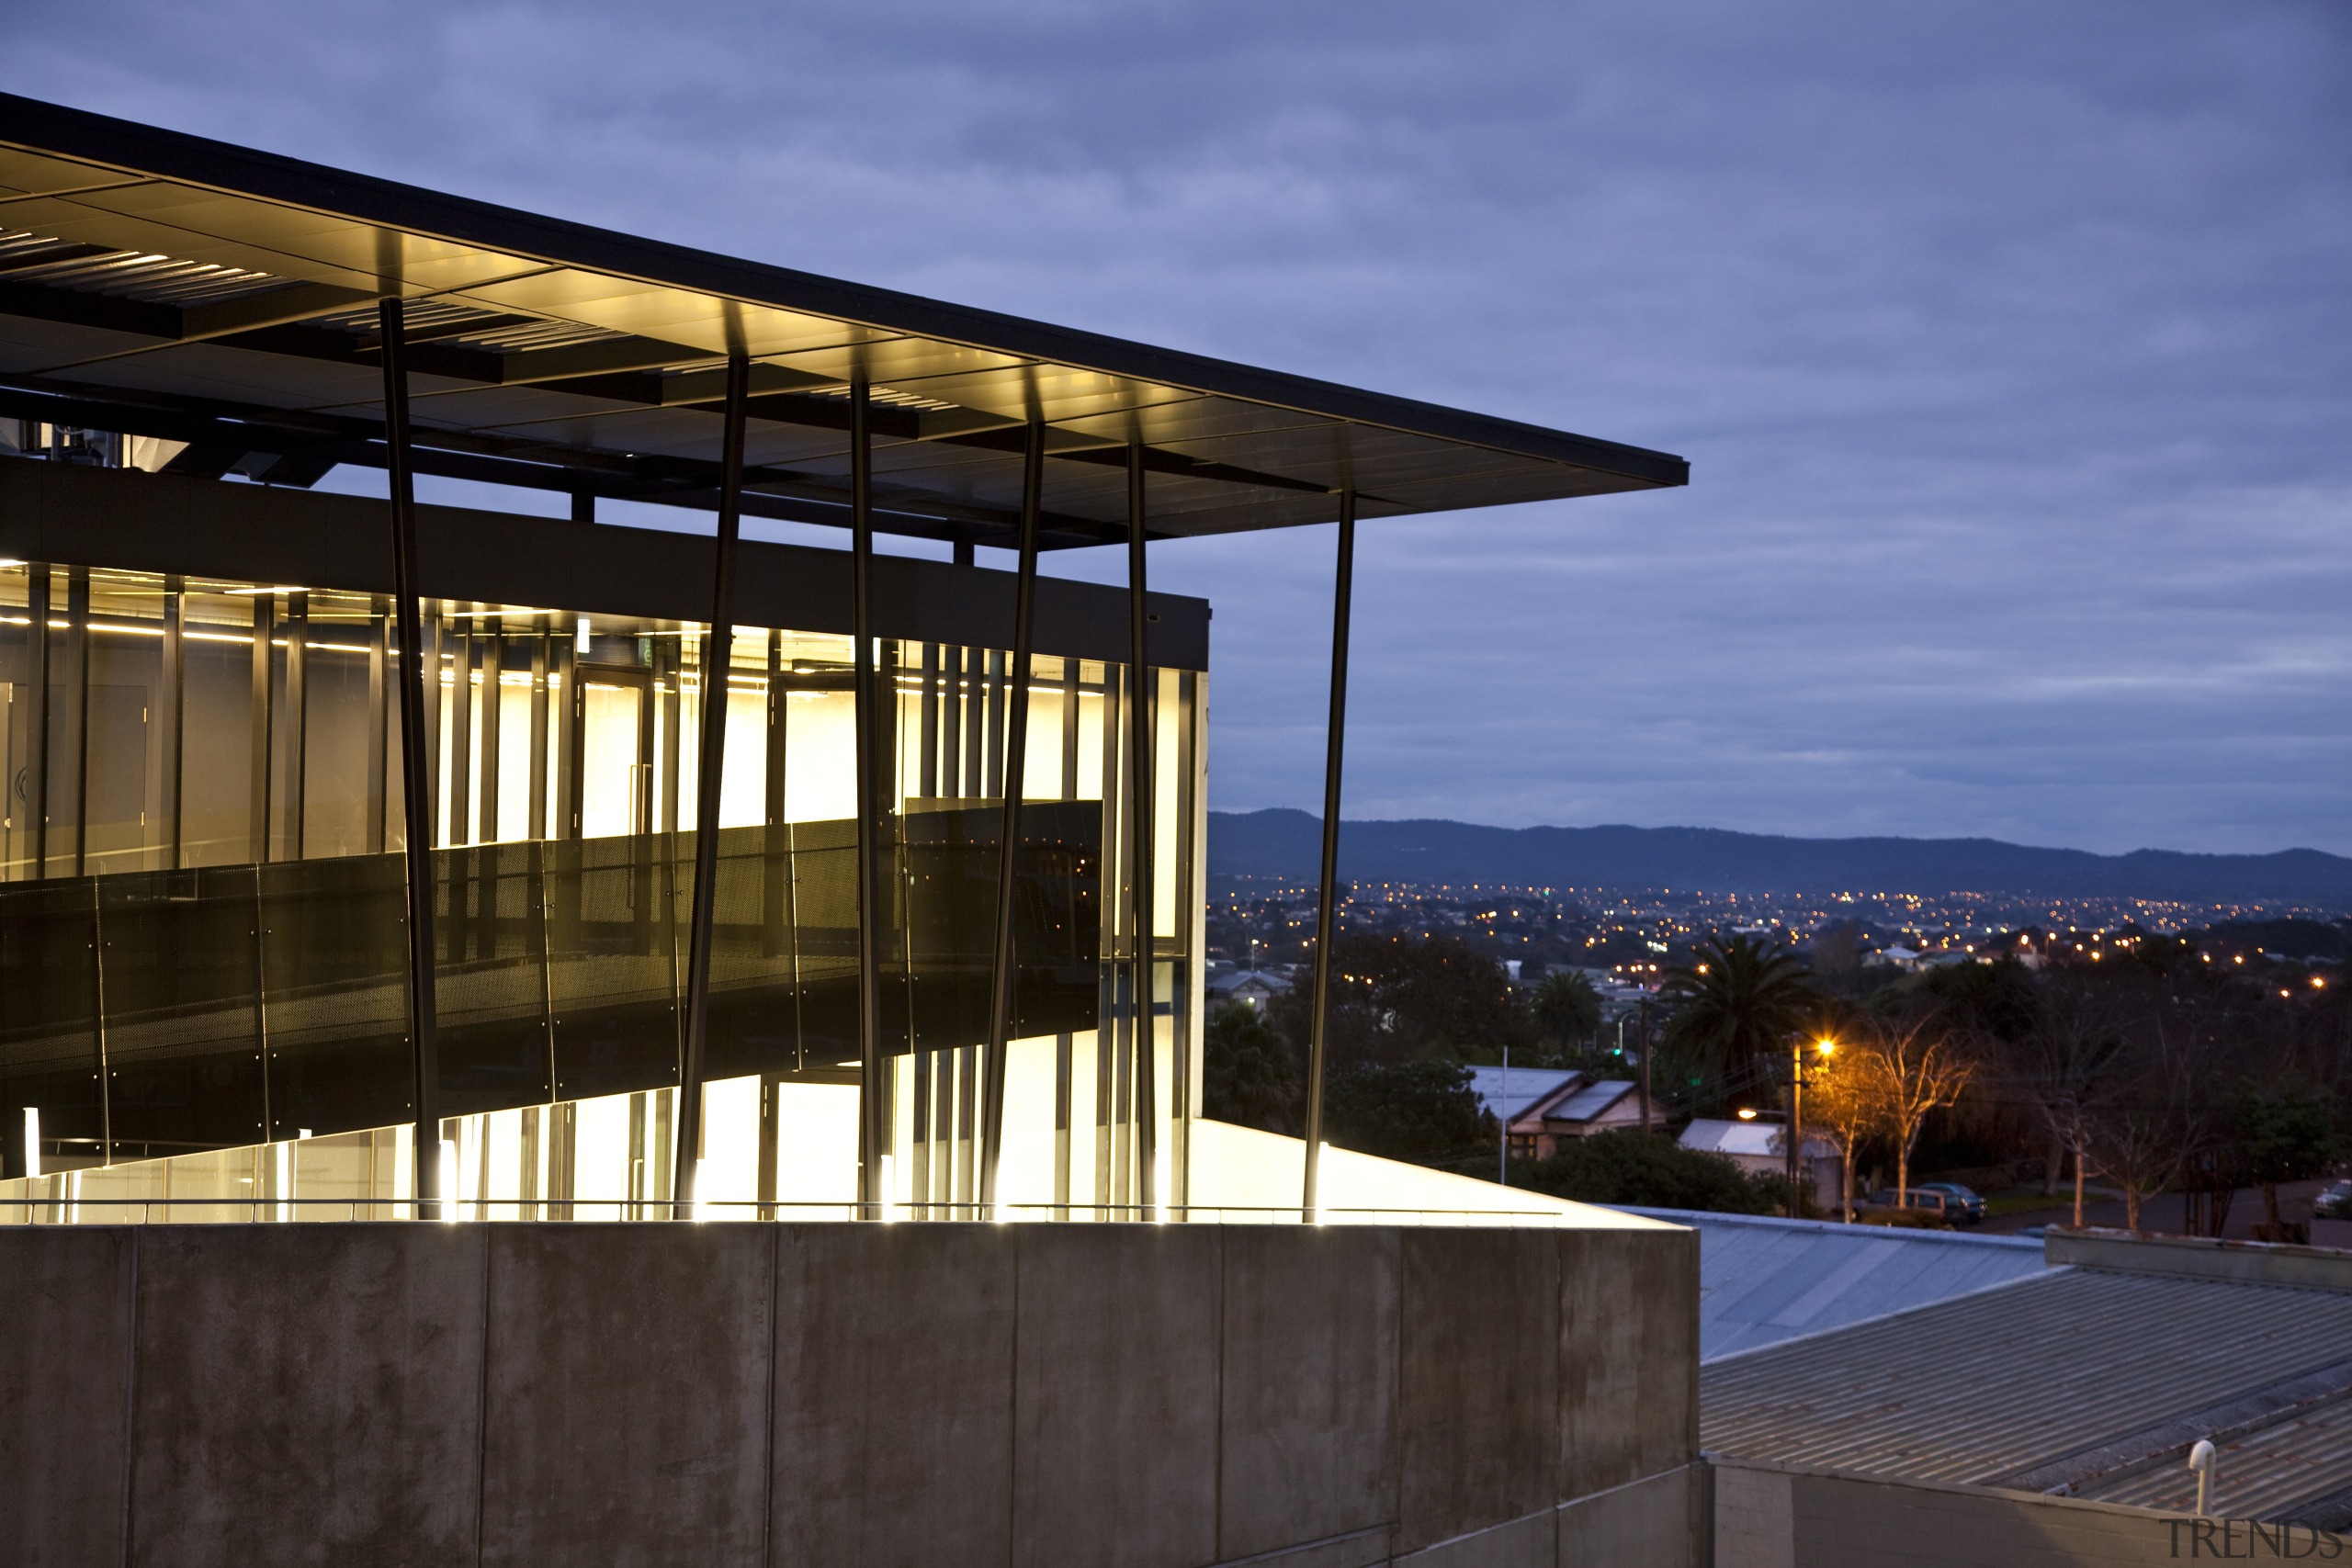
{"x": 1827, "y": 1047}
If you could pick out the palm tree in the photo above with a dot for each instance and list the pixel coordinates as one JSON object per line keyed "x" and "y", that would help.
{"x": 1568, "y": 1009}
{"x": 1739, "y": 1003}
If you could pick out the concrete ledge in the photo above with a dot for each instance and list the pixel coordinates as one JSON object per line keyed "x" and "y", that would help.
{"x": 2201, "y": 1257}
{"x": 1769, "y": 1514}
{"x": 1148, "y": 1397}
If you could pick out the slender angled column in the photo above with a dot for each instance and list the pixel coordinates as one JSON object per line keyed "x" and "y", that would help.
{"x": 1335, "y": 742}
{"x": 77, "y": 697}
{"x": 1016, "y": 755}
{"x": 488, "y": 827}
{"x": 717, "y": 653}
{"x": 379, "y": 694}
{"x": 37, "y": 737}
{"x": 536, "y": 815}
{"x": 872, "y": 1103}
{"x": 297, "y": 717}
{"x": 259, "y": 722}
{"x": 1140, "y": 712}
{"x": 416, "y": 799}
{"x": 171, "y": 701}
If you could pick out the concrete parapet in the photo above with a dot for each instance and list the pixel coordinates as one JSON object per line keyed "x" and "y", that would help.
{"x": 2202, "y": 1258}
{"x": 1168, "y": 1396}
{"x": 1779, "y": 1515}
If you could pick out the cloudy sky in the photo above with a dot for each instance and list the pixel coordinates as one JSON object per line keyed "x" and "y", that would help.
{"x": 2010, "y": 343}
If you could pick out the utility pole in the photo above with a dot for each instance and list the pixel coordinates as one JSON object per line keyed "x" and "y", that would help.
{"x": 1502, "y": 1152}
{"x": 1796, "y": 1119}
{"x": 1646, "y": 1065}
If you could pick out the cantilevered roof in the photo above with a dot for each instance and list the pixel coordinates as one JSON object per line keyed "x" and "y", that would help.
{"x": 166, "y": 285}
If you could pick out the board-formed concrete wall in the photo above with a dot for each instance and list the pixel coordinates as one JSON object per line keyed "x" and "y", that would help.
{"x": 1177, "y": 1395}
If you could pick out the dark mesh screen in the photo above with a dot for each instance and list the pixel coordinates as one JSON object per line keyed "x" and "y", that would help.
{"x": 49, "y": 998}
{"x": 181, "y": 977}
{"x": 250, "y": 1002}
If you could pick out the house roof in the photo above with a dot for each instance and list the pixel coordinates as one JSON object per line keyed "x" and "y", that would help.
{"x": 167, "y": 286}
{"x": 2086, "y": 1381}
{"x": 1225, "y": 985}
{"x": 1591, "y": 1101}
{"x": 1528, "y": 1087}
{"x": 1747, "y": 1138}
{"x": 1763, "y": 1280}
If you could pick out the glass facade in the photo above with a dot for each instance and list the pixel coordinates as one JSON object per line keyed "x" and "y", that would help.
{"x": 202, "y": 938}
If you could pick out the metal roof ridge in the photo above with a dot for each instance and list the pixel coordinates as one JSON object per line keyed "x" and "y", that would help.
{"x": 1833, "y": 1227}
{"x": 1813, "y": 1334}
{"x": 59, "y": 129}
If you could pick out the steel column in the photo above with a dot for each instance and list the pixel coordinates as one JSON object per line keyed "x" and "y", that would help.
{"x": 416, "y": 801}
{"x": 718, "y": 656}
{"x": 172, "y": 697}
{"x": 379, "y": 694}
{"x": 1016, "y": 753}
{"x": 1325, "y": 899}
{"x": 298, "y": 717}
{"x": 871, "y": 1102}
{"x": 37, "y": 597}
{"x": 1143, "y": 776}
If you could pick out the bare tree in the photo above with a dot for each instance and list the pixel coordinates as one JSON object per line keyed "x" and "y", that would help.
{"x": 2069, "y": 1054}
{"x": 2151, "y": 1112}
{"x": 1913, "y": 1068}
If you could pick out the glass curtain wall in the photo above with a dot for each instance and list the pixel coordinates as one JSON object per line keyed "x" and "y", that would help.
{"x": 202, "y": 932}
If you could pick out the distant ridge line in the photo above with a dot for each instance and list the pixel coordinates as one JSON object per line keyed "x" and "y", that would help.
{"x": 1284, "y": 842}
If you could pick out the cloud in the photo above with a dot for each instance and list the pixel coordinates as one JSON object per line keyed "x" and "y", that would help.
{"x": 2006, "y": 340}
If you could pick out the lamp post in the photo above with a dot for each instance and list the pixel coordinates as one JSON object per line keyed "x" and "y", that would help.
{"x": 1796, "y": 1110}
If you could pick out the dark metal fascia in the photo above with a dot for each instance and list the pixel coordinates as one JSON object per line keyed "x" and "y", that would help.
{"x": 52, "y": 128}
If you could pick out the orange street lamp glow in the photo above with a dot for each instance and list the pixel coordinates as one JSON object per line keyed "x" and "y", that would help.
{"x": 1747, "y": 1116}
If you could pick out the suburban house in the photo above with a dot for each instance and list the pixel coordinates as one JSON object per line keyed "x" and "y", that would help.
{"x": 1761, "y": 1149}
{"x": 1542, "y": 1105}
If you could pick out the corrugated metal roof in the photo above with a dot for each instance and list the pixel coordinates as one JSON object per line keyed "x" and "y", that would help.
{"x": 1762, "y": 1281}
{"x": 2017, "y": 1382}
{"x": 1528, "y": 1087}
{"x": 1730, "y": 1137}
{"x": 2273, "y": 1471}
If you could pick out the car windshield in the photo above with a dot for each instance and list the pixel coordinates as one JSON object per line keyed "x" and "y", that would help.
{"x": 1958, "y": 1191}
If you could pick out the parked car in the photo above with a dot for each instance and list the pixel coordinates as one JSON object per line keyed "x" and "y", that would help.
{"x": 2334, "y": 1200}
{"x": 1947, "y": 1199}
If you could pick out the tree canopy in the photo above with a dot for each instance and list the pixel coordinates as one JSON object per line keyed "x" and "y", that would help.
{"x": 1739, "y": 1003}
{"x": 1408, "y": 999}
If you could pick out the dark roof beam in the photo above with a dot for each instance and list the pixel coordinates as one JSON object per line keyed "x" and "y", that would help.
{"x": 321, "y": 440}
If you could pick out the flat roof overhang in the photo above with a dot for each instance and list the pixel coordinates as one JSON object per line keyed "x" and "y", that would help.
{"x": 163, "y": 284}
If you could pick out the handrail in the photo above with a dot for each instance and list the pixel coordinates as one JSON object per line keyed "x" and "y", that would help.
{"x": 453, "y": 1211}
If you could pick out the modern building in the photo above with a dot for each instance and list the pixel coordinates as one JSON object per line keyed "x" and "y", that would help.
{"x": 214, "y": 823}
{"x": 506, "y": 859}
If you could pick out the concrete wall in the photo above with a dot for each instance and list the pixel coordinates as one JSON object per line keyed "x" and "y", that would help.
{"x": 1179, "y": 1395}
{"x": 2203, "y": 1258}
{"x": 1770, "y": 1516}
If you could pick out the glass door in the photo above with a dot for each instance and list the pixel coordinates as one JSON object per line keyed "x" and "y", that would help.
{"x": 616, "y": 752}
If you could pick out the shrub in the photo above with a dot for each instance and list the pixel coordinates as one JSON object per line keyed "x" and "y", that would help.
{"x": 1644, "y": 1169}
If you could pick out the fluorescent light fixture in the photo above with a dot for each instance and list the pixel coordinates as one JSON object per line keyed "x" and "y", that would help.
{"x": 579, "y": 636}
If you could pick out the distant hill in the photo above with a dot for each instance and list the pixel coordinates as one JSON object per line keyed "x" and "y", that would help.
{"x": 1287, "y": 843}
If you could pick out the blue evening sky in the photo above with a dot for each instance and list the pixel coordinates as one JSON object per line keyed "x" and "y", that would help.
{"x": 2011, "y": 345}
